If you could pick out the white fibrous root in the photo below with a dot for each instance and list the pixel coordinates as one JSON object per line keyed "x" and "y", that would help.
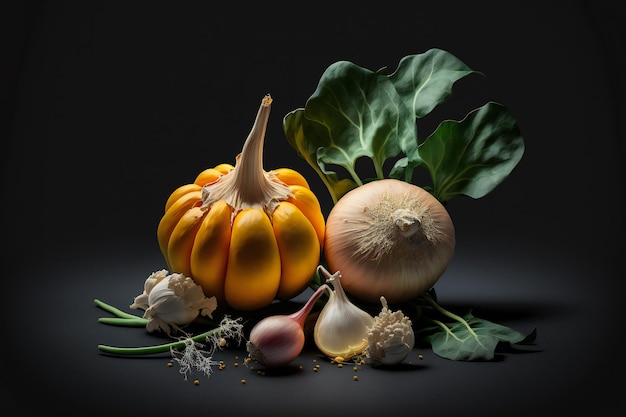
{"x": 390, "y": 339}
{"x": 171, "y": 301}
{"x": 197, "y": 356}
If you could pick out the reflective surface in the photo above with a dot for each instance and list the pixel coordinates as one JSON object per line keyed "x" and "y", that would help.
{"x": 114, "y": 106}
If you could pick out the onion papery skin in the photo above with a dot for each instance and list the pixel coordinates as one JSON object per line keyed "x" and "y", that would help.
{"x": 375, "y": 260}
{"x": 276, "y": 341}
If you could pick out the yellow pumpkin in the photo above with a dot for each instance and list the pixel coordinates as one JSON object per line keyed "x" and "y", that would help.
{"x": 245, "y": 235}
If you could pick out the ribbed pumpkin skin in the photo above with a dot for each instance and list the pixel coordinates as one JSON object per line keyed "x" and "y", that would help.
{"x": 248, "y": 259}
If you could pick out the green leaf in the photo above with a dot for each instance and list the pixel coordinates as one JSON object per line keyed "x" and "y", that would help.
{"x": 459, "y": 344}
{"x": 298, "y": 130}
{"x": 474, "y": 339}
{"x": 356, "y": 113}
{"x": 353, "y": 113}
{"x": 425, "y": 80}
{"x": 473, "y": 156}
{"x": 363, "y": 116}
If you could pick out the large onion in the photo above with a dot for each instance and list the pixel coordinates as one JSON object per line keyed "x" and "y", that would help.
{"x": 388, "y": 238}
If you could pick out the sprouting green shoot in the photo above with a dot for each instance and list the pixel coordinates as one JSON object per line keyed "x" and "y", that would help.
{"x": 166, "y": 347}
{"x": 122, "y": 319}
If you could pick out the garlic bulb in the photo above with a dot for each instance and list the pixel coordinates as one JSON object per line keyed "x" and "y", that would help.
{"x": 341, "y": 328}
{"x": 390, "y": 339}
{"x": 389, "y": 238}
{"x": 172, "y": 300}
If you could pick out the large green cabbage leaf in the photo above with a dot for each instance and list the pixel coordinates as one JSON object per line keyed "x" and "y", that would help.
{"x": 357, "y": 113}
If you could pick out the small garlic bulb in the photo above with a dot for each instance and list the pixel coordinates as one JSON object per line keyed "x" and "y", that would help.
{"x": 390, "y": 339}
{"x": 172, "y": 300}
{"x": 341, "y": 327}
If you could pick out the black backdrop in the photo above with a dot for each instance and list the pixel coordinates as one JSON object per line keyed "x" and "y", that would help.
{"x": 111, "y": 105}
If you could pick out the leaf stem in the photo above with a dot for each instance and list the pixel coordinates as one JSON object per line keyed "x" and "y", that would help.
{"x": 354, "y": 176}
{"x": 147, "y": 350}
{"x": 444, "y": 327}
{"x": 449, "y": 314}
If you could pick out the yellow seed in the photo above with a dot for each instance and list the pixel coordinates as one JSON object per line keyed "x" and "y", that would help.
{"x": 222, "y": 342}
{"x": 340, "y": 365}
{"x": 236, "y": 364}
{"x": 243, "y": 381}
{"x": 169, "y": 364}
{"x": 356, "y": 378}
{"x": 196, "y": 382}
{"x": 355, "y": 369}
{"x": 339, "y": 359}
{"x": 420, "y": 356}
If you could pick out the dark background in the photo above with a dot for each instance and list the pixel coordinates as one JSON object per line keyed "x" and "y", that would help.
{"x": 112, "y": 105}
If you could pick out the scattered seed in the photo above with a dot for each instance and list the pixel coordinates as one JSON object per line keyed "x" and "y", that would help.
{"x": 169, "y": 364}
{"x": 196, "y": 382}
{"x": 420, "y": 356}
{"x": 355, "y": 377}
{"x": 243, "y": 381}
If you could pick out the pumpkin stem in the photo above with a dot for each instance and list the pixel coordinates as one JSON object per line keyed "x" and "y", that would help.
{"x": 249, "y": 185}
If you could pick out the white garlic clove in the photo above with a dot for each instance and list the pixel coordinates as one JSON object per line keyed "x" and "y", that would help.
{"x": 141, "y": 301}
{"x": 341, "y": 328}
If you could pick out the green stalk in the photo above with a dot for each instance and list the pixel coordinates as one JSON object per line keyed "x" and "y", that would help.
{"x": 118, "y": 321}
{"x": 122, "y": 319}
{"x": 147, "y": 350}
{"x": 449, "y": 314}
